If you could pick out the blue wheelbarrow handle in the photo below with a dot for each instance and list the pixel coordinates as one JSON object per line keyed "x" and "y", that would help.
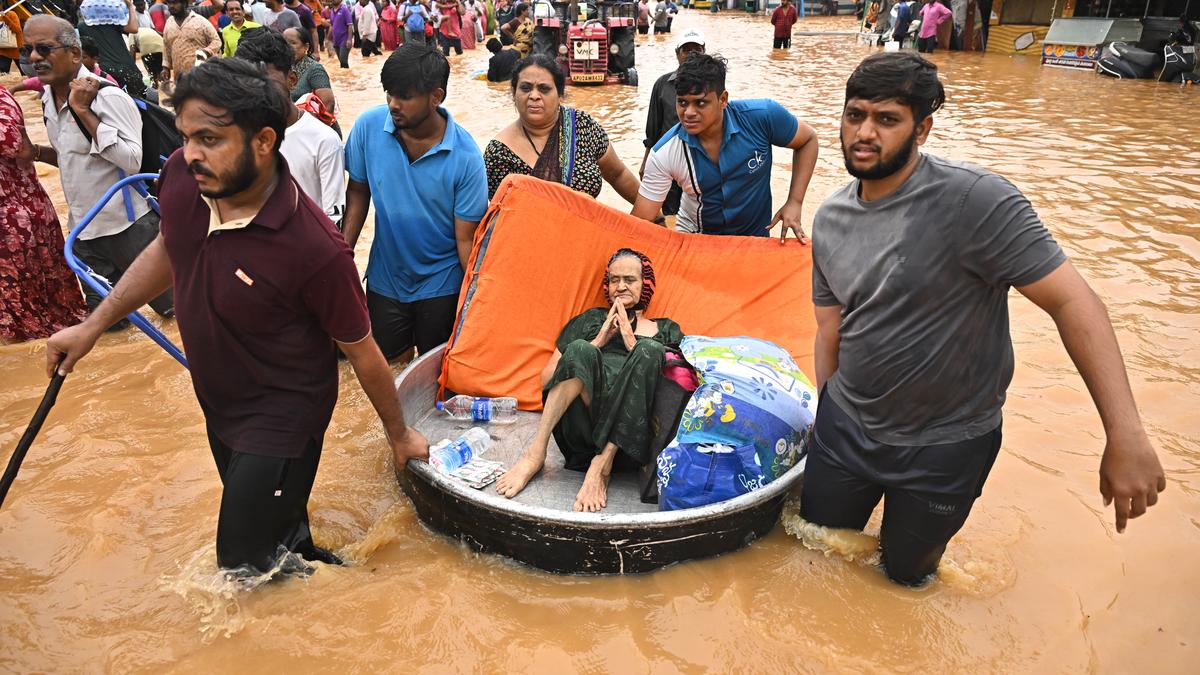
{"x": 99, "y": 283}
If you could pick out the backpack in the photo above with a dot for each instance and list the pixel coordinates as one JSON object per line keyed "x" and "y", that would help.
{"x": 159, "y": 136}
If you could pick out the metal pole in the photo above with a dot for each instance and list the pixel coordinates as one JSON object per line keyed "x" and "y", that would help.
{"x": 1109, "y": 10}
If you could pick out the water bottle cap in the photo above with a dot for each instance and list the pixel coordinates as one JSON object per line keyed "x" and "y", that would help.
{"x": 440, "y": 406}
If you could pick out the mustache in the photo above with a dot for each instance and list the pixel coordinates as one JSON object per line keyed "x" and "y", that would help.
{"x": 198, "y": 169}
{"x": 866, "y": 146}
{"x": 40, "y": 67}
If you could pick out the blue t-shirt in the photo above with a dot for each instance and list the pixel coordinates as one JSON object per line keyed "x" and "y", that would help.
{"x": 417, "y": 17}
{"x": 414, "y": 256}
{"x": 734, "y": 197}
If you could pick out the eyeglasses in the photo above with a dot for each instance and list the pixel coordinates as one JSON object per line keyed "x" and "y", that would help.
{"x": 43, "y": 51}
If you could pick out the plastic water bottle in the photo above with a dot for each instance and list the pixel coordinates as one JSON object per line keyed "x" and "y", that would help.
{"x": 479, "y": 409}
{"x": 449, "y": 455}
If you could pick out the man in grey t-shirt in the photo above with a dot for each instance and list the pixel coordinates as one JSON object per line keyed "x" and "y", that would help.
{"x": 279, "y": 18}
{"x": 912, "y": 263}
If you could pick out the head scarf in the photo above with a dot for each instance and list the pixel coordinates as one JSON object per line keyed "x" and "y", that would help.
{"x": 647, "y": 276}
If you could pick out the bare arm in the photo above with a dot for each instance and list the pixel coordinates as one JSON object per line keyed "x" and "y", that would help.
{"x": 825, "y": 351}
{"x": 131, "y": 26}
{"x": 375, "y": 377}
{"x": 804, "y": 162}
{"x": 358, "y": 200}
{"x": 1130, "y": 474}
{"x": 146, "y": 278}
{"x": 464, "y": 238}
{"x": 646, "y": 209}
{"x": 619, "y": 176}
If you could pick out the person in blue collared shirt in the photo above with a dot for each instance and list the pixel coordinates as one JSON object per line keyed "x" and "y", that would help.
{"x": 720, "y": 154}
{"x": 426, "y": 177}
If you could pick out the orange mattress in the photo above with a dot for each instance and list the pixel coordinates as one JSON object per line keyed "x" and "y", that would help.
{"x": 539, "y": 258}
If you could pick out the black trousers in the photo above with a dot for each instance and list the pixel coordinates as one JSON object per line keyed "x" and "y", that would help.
{"x": 399, "y": 326}
{"x": 264, "y": 507}
{"x": 783, "y": 43}
{"x": 369, "y": 47}
{"x": 927, "y": 45}
{"x": 110, "y": 256}
{"x": 448, "y": 43}
{"x": 928, "y": 491}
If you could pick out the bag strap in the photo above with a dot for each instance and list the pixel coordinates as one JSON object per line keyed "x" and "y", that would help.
{"x": 83, "y": 130}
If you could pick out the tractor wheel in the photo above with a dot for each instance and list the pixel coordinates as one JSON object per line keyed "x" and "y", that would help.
{"x": 545, "y": 42}
{"x": 622, "y": 60}
{"x": 631, "y": 78}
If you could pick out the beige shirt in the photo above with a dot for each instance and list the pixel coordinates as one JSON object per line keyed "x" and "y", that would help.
{"x": 88, "y": 168}
{"x": 181, "y": 41}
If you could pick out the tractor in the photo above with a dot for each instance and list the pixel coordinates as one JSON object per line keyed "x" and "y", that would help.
{"x": 592, "y": 41}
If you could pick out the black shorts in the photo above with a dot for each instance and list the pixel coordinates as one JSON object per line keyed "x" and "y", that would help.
{"x": 928, "y": 491}
{"x": 264, "y": 508}
{"x": 400, "y": 326}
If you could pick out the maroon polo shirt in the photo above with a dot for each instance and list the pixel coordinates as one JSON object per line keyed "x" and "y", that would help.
{"x": 258, "y": 309}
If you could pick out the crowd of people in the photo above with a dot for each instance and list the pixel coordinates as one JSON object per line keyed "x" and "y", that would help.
{"x": 262, "y": 206}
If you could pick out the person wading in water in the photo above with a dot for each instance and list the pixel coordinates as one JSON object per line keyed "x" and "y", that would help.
{"x": 265, "y": 288}
{"x": 912, "y": 264}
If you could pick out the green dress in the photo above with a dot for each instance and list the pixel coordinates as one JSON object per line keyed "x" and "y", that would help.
{"x": 620, "y": 384}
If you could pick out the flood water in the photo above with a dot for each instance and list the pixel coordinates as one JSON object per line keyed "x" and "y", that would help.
{"x": 106, "y": 559}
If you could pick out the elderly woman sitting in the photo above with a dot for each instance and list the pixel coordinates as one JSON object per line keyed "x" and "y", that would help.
{"x": 598, "y": 387}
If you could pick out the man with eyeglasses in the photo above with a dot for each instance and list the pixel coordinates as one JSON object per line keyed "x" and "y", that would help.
{"x": 95, "y": 136}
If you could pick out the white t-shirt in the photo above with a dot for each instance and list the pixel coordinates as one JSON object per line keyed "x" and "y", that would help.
{"x": 316, "y": 158}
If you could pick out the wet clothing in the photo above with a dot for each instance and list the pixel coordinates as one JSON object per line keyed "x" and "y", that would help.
{"x": 928, "y": 491}
{"x": 783, "y": 19}
{"x": 925, "y": 355}
{"x": 39, "y": 294}
{"x": 502, "y": 63}
{"x": 400, "y": 326}
{"x": 264, "y": 507}
{"x": 571, "y": 156}
{"x": 732, "y": 196}
{"x": 111, "y": 255}
{"x": 259, "y": 304}
{"x": 620, "y": 384}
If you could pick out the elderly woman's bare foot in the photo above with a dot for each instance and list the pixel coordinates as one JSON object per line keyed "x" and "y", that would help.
{"x": 515, "y": 479}
{"x": 593, "y": 495}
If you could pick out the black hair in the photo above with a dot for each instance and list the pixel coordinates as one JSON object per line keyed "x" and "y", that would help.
{"x": 304, "y": 35}
{"x": 903, "y": 76}
{"x": 88, "y": 46}
{"x": 494, "y": 45}
{"x": 265, "y": 46}
{"x": 546, "y": 63}
{"x": 700, "y": 73}
{"x": 241, "y": 3}
{"x": 521, "y": 8}
{"x": 415, "y": 68}
{"x": 241, "y": 89}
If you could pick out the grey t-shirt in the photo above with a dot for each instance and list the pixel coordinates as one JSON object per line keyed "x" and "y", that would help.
{"x": 922, "y": 277}
{"x": 281, "y": 20}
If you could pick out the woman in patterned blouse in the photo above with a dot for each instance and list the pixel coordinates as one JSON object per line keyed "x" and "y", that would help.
{"x": 552, "y": 141}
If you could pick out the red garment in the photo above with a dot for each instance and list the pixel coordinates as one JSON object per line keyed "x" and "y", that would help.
{"x": 784, "y": 20}
{"x": 38, "y": 292}
{"x": 451, "y": 25}
{"x": 389, "y": 28}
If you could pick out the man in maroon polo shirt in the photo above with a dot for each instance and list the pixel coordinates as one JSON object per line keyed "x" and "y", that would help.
{"x": 264, "y": 287}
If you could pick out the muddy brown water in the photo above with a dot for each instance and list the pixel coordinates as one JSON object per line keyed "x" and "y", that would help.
{"x": 106, "y": 560}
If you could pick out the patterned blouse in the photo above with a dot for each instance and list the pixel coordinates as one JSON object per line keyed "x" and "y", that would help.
{"x": 591, "y": 142}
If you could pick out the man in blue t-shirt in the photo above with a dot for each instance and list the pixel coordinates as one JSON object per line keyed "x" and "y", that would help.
{"x": 426, "y": 176}
{"x": 720, "y": 154}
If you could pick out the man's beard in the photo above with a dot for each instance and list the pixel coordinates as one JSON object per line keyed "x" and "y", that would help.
{"x": 239, "y": 181}
{"x": 885, "y": 166}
